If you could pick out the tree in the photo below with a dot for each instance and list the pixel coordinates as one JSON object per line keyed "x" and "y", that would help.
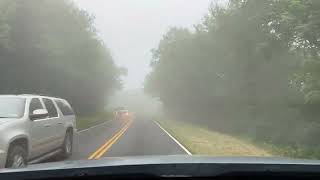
{"x": 54, "y": 50}
{"x": 232, "y": 72}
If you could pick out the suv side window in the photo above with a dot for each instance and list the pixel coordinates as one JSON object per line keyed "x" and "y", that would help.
{"x": 64, "y": 107}
{"x": 52, "y": 111}
{"x": 35, "y": 104}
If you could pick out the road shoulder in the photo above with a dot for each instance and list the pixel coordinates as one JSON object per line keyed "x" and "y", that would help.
{"x": 93, "y": 120}
{"x": 174, "y": 139}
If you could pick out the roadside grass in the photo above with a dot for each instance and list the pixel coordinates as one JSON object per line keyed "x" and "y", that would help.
{"x": 199, "y": 140}
{"x": 293, "y": 151}
{"x": 84, "y": 122}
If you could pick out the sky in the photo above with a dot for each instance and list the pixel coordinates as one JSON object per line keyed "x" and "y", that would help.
{"x": 131, "y": 28}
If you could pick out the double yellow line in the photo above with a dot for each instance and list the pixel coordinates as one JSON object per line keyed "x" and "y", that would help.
{"x": 104, "y": 148}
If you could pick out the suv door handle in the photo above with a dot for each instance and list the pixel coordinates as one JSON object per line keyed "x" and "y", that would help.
{"x": 59, "y": 122}
{"x": 47, "y": 125}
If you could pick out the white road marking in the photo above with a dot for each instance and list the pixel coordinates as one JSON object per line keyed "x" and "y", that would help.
{"x": 93, "y": 126}
{"x": 174, "y": 139}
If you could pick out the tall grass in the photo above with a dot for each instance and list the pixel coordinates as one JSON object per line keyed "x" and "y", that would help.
{"x": 84, "y": 122}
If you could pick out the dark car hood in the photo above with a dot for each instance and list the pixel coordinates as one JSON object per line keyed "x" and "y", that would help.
{"x": 164, "y": 160}
{"x": 165, "y": 166}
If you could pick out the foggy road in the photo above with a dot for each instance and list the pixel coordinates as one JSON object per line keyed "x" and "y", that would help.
{"x": 125, "y": 138}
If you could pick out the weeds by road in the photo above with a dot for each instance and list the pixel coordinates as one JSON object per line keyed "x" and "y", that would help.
{"x": 200, "y": 140}
{"x": 92, "y": 120}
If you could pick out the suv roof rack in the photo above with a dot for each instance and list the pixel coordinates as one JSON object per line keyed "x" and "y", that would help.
{"x": 39, "y": 95}
{"x": 31, "y": 94}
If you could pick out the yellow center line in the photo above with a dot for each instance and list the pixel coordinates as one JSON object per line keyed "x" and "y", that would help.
{"x": 111, "y": 143}
{"x": 98, "y": 153}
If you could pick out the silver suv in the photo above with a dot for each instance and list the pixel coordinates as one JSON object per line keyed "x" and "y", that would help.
{"x": 34, "y": 128}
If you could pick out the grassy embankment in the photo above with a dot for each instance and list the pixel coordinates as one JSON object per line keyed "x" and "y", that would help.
{"x": 199, "y": 140}
{"x": 84, "y": 122}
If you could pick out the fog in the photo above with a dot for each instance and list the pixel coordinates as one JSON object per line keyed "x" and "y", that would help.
{"x": 131, "y": 29}
{"x": 245, "y": 68}
{"x": 136, "y": 101}
{"x": 231, "y": 67}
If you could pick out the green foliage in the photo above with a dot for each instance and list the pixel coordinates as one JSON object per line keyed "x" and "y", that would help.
{"x": 51, "y": 47}
{"x": 251, "y": 67}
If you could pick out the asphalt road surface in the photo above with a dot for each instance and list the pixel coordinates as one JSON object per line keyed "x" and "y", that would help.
{"x": 119, "y": 138}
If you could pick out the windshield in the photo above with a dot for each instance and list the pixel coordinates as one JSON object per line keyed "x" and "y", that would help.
{"x": 136, "y": 78}
{"x": 11, "y": 107}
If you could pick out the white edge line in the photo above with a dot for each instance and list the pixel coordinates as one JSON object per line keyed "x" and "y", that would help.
{"x": 93, "y": 127}
{"x": 174, "y": 139}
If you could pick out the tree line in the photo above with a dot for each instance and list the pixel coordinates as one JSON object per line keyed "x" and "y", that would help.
{"x": 52, "y": 48}
{"x": 251, "y": 67}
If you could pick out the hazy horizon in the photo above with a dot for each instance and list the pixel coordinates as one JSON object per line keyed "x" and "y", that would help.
{"x": 130, "y": 29}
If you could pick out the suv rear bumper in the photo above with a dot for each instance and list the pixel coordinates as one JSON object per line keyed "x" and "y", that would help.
{"x": 3, "y": 158}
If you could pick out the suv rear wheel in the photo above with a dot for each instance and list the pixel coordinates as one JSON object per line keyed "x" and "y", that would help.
{"x": 67, "y": 144}
{"x": 17, "y": 157}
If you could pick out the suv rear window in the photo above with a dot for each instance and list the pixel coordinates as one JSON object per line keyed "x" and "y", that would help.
{"x": 64, "y": 108}
{"x": 50, "y": 107}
